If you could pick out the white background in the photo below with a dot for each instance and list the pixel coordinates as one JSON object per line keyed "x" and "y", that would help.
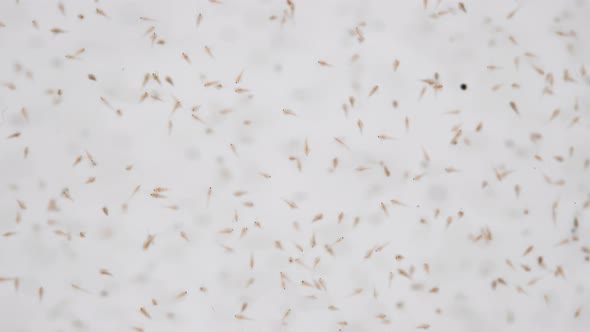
{"x": 281, "y": 71}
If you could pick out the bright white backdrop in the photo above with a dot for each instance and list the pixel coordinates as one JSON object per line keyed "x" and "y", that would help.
{"x": 233, "y": 140}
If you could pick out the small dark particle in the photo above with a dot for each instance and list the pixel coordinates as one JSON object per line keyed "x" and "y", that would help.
{"x": 463, "y": 86}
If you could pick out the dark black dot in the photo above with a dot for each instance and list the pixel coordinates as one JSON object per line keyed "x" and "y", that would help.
{"x": 463, "y": 86}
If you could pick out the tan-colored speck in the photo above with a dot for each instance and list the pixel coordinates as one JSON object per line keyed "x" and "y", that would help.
{"x": 101, "y": 12}
{"x": 148, "y": 242}
{"x": 145, "y": 312}
{"x": 373, "y": 90}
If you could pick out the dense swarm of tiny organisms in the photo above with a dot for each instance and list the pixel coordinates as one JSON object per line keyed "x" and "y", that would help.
{"x": 291, "y": 165}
